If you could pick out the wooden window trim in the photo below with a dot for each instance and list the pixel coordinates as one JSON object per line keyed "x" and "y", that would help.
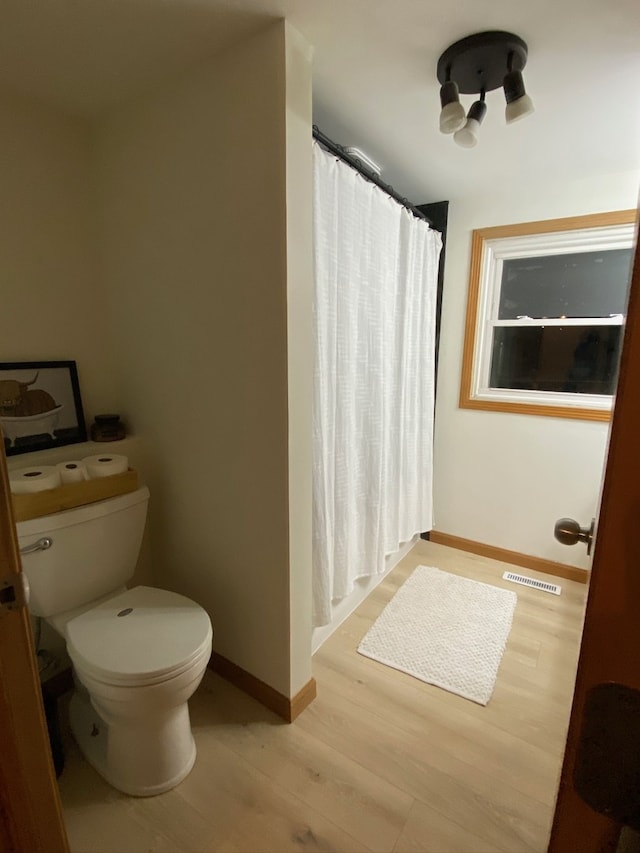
{"x": 521, "y": 229}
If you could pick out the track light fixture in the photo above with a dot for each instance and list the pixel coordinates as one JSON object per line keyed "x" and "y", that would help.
{"x": 474, "y": 66}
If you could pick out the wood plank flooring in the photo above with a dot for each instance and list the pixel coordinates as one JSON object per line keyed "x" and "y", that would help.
{"x": 379, "y": 762}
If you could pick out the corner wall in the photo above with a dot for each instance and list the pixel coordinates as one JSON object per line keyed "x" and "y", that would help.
{"x": 300, "y": 350}
{"x": 499, "y": 478}
{"x": 193, "y": 190}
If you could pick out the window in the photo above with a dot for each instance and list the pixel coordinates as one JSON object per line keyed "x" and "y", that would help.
{"x": 545, "y": 315}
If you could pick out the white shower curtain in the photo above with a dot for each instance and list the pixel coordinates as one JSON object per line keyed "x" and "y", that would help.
{"x": 376, "y": 269}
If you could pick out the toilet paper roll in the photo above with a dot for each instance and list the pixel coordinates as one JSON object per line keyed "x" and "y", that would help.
{"x": 25, "y": 481}
{"x": 105, "y": 464}
{"x": 72, "y": 471}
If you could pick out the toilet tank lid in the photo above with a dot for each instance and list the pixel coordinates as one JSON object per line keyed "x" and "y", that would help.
{"x": 143, "y": 633}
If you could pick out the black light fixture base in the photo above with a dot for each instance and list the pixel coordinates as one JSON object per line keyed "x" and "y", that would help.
{"x": 480, "y": 62}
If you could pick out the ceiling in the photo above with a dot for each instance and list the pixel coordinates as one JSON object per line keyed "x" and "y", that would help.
{"x": 374, "y": 75}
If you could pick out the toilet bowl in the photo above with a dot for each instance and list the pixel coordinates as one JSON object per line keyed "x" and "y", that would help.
{"x": 138, "y": 654}
{"x": 139, "y": 657}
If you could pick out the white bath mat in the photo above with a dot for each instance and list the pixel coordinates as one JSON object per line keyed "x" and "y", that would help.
{"x": 446, "y": 630}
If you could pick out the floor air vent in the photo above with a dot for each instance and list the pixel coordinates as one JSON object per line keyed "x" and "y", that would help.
{"x": 536, "y": 584}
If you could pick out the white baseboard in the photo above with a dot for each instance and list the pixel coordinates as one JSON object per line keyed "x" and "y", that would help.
{"x": 344, "y": 608}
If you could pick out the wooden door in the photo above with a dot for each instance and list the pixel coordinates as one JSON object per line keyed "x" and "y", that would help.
{"x": 30, "y": 812}
{"x": 610, "y": 651}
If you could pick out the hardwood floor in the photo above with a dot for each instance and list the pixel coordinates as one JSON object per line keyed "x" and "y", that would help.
{"x": 379, "y": 762}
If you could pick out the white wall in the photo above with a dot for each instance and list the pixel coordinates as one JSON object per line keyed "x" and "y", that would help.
{"x": 52, "y": 305}
{"x": 196, "y": 215}
{"x": 499, "y": 478}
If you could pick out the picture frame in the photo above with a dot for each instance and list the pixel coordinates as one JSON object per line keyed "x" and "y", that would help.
{"x": 40, "y": 405}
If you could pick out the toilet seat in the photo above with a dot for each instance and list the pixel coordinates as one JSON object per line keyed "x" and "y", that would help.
{"x": 140, "y": 637}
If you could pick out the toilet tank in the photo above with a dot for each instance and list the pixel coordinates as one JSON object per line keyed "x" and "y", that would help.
{"x": 94, "y": 551}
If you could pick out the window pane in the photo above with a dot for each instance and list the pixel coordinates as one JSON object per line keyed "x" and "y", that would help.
{"x": 572, "y": 359}
{"x": 583, "y": 284}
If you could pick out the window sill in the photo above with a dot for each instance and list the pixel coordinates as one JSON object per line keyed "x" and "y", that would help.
{"x": 548, "y": 410}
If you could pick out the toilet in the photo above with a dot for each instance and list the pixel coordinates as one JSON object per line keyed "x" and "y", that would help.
{"x": 138, "y": 654}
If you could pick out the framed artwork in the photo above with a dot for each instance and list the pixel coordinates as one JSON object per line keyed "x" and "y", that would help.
{"x": 40, "y": 405}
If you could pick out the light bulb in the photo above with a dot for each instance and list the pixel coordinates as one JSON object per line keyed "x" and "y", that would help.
{"x": 518, "y": 109}
{"x": 452, "y": 117}
{"x": 467, "y": 136}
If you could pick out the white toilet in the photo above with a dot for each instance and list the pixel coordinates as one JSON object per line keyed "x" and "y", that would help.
{"x": 138, "y": 654}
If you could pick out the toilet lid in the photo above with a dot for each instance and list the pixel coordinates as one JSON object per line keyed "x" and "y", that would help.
{"x": 141, "y": 636}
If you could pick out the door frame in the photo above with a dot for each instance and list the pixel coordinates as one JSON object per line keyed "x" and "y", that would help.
{"x": 30, "y": 809}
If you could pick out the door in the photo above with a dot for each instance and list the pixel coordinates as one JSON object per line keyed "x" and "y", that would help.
{"x": 30, "y": 811}
{"x": 602, "y": 757}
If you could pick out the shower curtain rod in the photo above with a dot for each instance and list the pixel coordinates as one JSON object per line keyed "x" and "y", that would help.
{"x": 359, "y": 166}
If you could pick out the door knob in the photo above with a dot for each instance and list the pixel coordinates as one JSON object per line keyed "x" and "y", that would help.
{"x": 568, "y": 532}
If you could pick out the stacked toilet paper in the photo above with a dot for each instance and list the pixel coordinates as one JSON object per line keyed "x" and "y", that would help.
{"x": 35, "y": 479}
{"x": 104, "y": 465}
{"x": 42, "y": 477}
{"x": 72, "y": 472}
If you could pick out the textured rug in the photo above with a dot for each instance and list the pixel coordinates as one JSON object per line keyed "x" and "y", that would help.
{"x": 446, "y": 630}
